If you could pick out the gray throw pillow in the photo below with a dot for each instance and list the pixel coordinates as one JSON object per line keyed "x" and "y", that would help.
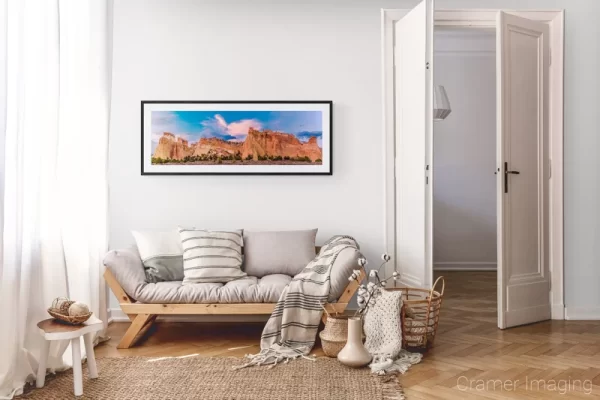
{"x": 162, "y": 255}
{"x": 283, "y": 252}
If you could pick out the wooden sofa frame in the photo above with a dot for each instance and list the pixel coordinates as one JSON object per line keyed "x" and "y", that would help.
{"x": 143, "y": 315}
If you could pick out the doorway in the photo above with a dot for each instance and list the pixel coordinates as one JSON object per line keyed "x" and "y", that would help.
{"x": 524, "y": 275}
{"x": 464, "y": 167}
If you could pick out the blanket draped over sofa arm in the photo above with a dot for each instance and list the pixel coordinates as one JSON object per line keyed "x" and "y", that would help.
{"x": 291, "y": 330}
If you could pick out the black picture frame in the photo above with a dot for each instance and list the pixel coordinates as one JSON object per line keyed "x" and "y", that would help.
{"x": 327, "y": 103}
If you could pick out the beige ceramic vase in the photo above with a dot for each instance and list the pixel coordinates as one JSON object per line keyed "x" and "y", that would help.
{"x": 354, "y": 354}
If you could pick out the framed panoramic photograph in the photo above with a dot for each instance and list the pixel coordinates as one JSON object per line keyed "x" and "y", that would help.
{"x": 236, "y": 137}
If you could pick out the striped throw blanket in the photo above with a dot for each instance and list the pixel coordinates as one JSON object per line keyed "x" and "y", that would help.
{"x": 291, "y": 329}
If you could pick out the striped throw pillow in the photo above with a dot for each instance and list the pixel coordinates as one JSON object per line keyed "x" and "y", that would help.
{"x": 211, "y": 256}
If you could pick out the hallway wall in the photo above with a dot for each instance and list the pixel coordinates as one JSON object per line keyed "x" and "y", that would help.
{"x": 464, "y": 184}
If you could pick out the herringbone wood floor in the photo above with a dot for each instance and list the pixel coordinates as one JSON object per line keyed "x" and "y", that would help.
{"x": 471, "y": 359}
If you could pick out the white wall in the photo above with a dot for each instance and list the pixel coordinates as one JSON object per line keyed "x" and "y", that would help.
{"x": 311, "y": 49}
{"x": 236, "y": 50}
{"x": 464, "y": 185}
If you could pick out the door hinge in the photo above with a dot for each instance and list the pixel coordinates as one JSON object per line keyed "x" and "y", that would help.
{"x": 427, "y": 65}
{"x": 427, "y": 174}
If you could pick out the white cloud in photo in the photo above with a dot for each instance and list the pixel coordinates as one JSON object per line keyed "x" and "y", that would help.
{"x": 166, "y": 121}
{"x": 235, "y": 131}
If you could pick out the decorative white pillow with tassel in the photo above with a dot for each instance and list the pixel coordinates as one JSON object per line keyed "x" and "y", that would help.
{"x": 383, "y": 329}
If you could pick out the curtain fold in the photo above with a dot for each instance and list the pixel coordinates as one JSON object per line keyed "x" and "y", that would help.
{"x": 54, "y": 120}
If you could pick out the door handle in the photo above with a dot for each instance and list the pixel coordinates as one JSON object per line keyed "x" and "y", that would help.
{"x": 506, "y": 172}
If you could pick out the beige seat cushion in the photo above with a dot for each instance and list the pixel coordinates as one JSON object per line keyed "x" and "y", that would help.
{"x": 126, "y": 266}
{"x": 245, "y": 290}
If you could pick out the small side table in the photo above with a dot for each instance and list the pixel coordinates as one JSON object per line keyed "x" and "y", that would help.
{"x": 50, "y": 329}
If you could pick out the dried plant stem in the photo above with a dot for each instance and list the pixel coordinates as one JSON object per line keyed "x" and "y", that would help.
{"x": 371, "y": 295}
{"x": 375, "y": 286}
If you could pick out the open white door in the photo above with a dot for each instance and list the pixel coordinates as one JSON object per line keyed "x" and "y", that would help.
{"x": 523, "y": 170}
{"x": 413, "y": 60}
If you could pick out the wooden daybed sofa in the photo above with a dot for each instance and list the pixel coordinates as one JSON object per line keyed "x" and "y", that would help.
{"x": 143, "y": 301}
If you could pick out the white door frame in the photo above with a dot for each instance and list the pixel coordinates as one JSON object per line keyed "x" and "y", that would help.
{"x": 486, "y": 18}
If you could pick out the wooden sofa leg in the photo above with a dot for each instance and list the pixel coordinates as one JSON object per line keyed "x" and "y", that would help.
{"x": 139, "y": 322}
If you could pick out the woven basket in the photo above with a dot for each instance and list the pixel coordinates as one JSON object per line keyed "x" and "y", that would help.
{"x": 420, "y": 315}
{"x": 68, "y": 319}
{"x": 335, "y": 335}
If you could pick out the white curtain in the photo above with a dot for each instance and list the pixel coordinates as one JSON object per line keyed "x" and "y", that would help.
{"x": 54, "y": 117}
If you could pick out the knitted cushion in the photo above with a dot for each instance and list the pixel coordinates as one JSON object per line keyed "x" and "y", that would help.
{"x": 383, "y": 325}
{"x": 383, "y": 328}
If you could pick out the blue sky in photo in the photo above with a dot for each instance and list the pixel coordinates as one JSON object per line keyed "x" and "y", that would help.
{"x": 234, "y": 125}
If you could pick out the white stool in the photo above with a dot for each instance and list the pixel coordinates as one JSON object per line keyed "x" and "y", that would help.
{"x": 53, "y": 330}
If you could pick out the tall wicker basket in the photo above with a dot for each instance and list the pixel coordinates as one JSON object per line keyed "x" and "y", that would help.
{"x": 335, "y": 334}
{"x": 420, "y": 315}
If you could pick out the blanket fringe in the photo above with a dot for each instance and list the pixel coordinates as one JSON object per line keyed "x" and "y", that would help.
{"x": 383, "y": 364}
{"x": 272, "y": 356}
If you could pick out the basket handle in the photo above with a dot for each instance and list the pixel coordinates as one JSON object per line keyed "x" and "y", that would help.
{"x": 435, "y": 284}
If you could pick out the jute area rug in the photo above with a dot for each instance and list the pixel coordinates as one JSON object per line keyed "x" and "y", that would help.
{"x": 214, "y": 379}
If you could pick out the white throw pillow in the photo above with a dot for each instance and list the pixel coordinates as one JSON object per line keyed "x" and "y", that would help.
{"x": 161, "y": 254}
{"x": 211, "y": 256}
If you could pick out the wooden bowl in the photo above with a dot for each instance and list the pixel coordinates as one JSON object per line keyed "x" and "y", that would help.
{"x": 69, "y": 319}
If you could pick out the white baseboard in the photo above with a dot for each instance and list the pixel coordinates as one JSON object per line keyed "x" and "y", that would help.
{"x": 464, "y": 266}
{"x": 117, "y": 315}
{"x": 582, "y": 313}
{"x": 409, "y": 281}
{"x": 558, "y": 311}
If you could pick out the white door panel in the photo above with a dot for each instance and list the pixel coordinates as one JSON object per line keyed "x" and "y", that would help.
{"x": 413, "y": 56}
{"x": 523, "y": 122}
